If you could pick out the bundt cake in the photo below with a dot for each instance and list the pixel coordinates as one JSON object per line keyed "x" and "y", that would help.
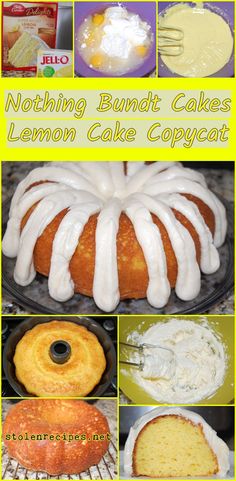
{"x": 42, "y": 374}
{"x": 114, "y": 231}
{"x": 56, "y": 436}
{"x": 174, "y": 442}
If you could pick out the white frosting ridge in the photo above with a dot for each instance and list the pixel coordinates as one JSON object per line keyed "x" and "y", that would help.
{"x": 106, "y": 283}
{"x": 100, "y": 176}
{"x": 118, "y": 179}
{"x": 141, "y": 177}
{"x": 149, "y": 238}
{"x": 178, "y": 171}
{"x": 10, "y": 243}
{"x": 43, "y": 214}
{"x": 60, "y": 283}
{"x": 188, "y": 276}
{"x": 184, "y": 186}
{"x": 133, "y": 167}
{"x": 217, "y": 445}
{"x": 85, "y": 188}
{"x": 54, "y": 174}
{"x": 210, "y": 260}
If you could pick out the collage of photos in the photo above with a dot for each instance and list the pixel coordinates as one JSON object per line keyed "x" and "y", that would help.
{"x": 118, "y": 332}
{"x": 118, "y": 39}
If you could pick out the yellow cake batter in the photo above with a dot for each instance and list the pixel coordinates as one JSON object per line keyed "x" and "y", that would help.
{"x": 207, "y": 43}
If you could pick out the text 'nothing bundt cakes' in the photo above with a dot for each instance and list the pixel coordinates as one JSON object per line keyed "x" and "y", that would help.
{"x": 114, "y": 230}
{"x": 45, "y": 433}
{"x": 174, "y": 442}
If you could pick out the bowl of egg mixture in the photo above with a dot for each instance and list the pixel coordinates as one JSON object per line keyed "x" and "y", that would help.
{"x": 115, "y": 39}
{"x": 206, "y": 48}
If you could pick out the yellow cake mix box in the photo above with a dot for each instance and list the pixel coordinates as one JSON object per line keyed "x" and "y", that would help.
{"x": 55, "y": 63}
{"x": 27, "y": 27}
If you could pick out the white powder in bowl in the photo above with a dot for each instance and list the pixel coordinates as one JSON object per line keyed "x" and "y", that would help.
{"x": 115, "y": 41}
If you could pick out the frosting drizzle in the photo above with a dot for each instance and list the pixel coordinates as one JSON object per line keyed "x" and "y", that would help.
{"x": 86, "y": 188}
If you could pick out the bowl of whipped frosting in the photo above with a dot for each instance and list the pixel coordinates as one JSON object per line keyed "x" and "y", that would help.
{"x": 207, "y": 47}
{"x": 114, "y": 39}
{"x": 202, "y": 352}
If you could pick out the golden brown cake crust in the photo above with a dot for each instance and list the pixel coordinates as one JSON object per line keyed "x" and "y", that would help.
{"x": 132, "y": 268}
{"x": 155, "y": 420}
{"x": 53, "y": 417}
{"x": 43, "y": 377}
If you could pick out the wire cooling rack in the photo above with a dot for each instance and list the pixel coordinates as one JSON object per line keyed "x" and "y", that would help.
{"x": 106, "y": 469}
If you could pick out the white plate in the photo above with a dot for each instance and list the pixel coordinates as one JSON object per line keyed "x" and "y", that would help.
{"x": 230, "y": 474}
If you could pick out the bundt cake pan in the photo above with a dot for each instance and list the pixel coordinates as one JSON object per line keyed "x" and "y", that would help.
{"x": 90, "y": 324}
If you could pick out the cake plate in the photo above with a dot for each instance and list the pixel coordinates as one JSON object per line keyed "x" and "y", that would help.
{"x": 229, "y": 475}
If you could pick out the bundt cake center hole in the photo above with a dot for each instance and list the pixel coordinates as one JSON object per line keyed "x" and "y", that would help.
{"x": 60, "y": 348}
{"x": 60, "y": 351}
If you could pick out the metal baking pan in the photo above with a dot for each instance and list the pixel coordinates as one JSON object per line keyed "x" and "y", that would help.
{"x": 90, "y": 324}
{"x": 64, "y": 26}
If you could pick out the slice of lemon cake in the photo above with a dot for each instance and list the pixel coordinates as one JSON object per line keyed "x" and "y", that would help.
{"x": 173, "y": 442}
{"x": 24, "y": 51}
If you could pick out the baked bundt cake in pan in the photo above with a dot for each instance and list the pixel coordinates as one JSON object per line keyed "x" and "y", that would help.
{"x": 46, "y": 368}
{"x": 114, "y": 230}
{"x": 63, "y": 420}
{"x": 173, "y": 443}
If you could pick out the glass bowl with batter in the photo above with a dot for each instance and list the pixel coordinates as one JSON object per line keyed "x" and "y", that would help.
{"x": 208, "y": 45}
{"x": 114, "y": 39}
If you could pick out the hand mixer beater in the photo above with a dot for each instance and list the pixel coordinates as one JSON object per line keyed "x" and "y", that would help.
{"x": 170, "y": 41}
{"x": 153, "y": 361}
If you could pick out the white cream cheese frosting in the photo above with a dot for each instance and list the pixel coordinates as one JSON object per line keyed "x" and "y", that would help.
{"x": 207, "y": 42}
{"x": 158, "y": 364}
{"x": 198, "y": 366}
{"x": 217, "y": 445}
{"x": 86, "y": 188}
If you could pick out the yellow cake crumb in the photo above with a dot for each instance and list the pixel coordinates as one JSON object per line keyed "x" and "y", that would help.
{"x": 170, "y": 446}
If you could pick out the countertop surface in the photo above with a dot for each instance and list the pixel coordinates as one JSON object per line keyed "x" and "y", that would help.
{"x": 221, "y": 181}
